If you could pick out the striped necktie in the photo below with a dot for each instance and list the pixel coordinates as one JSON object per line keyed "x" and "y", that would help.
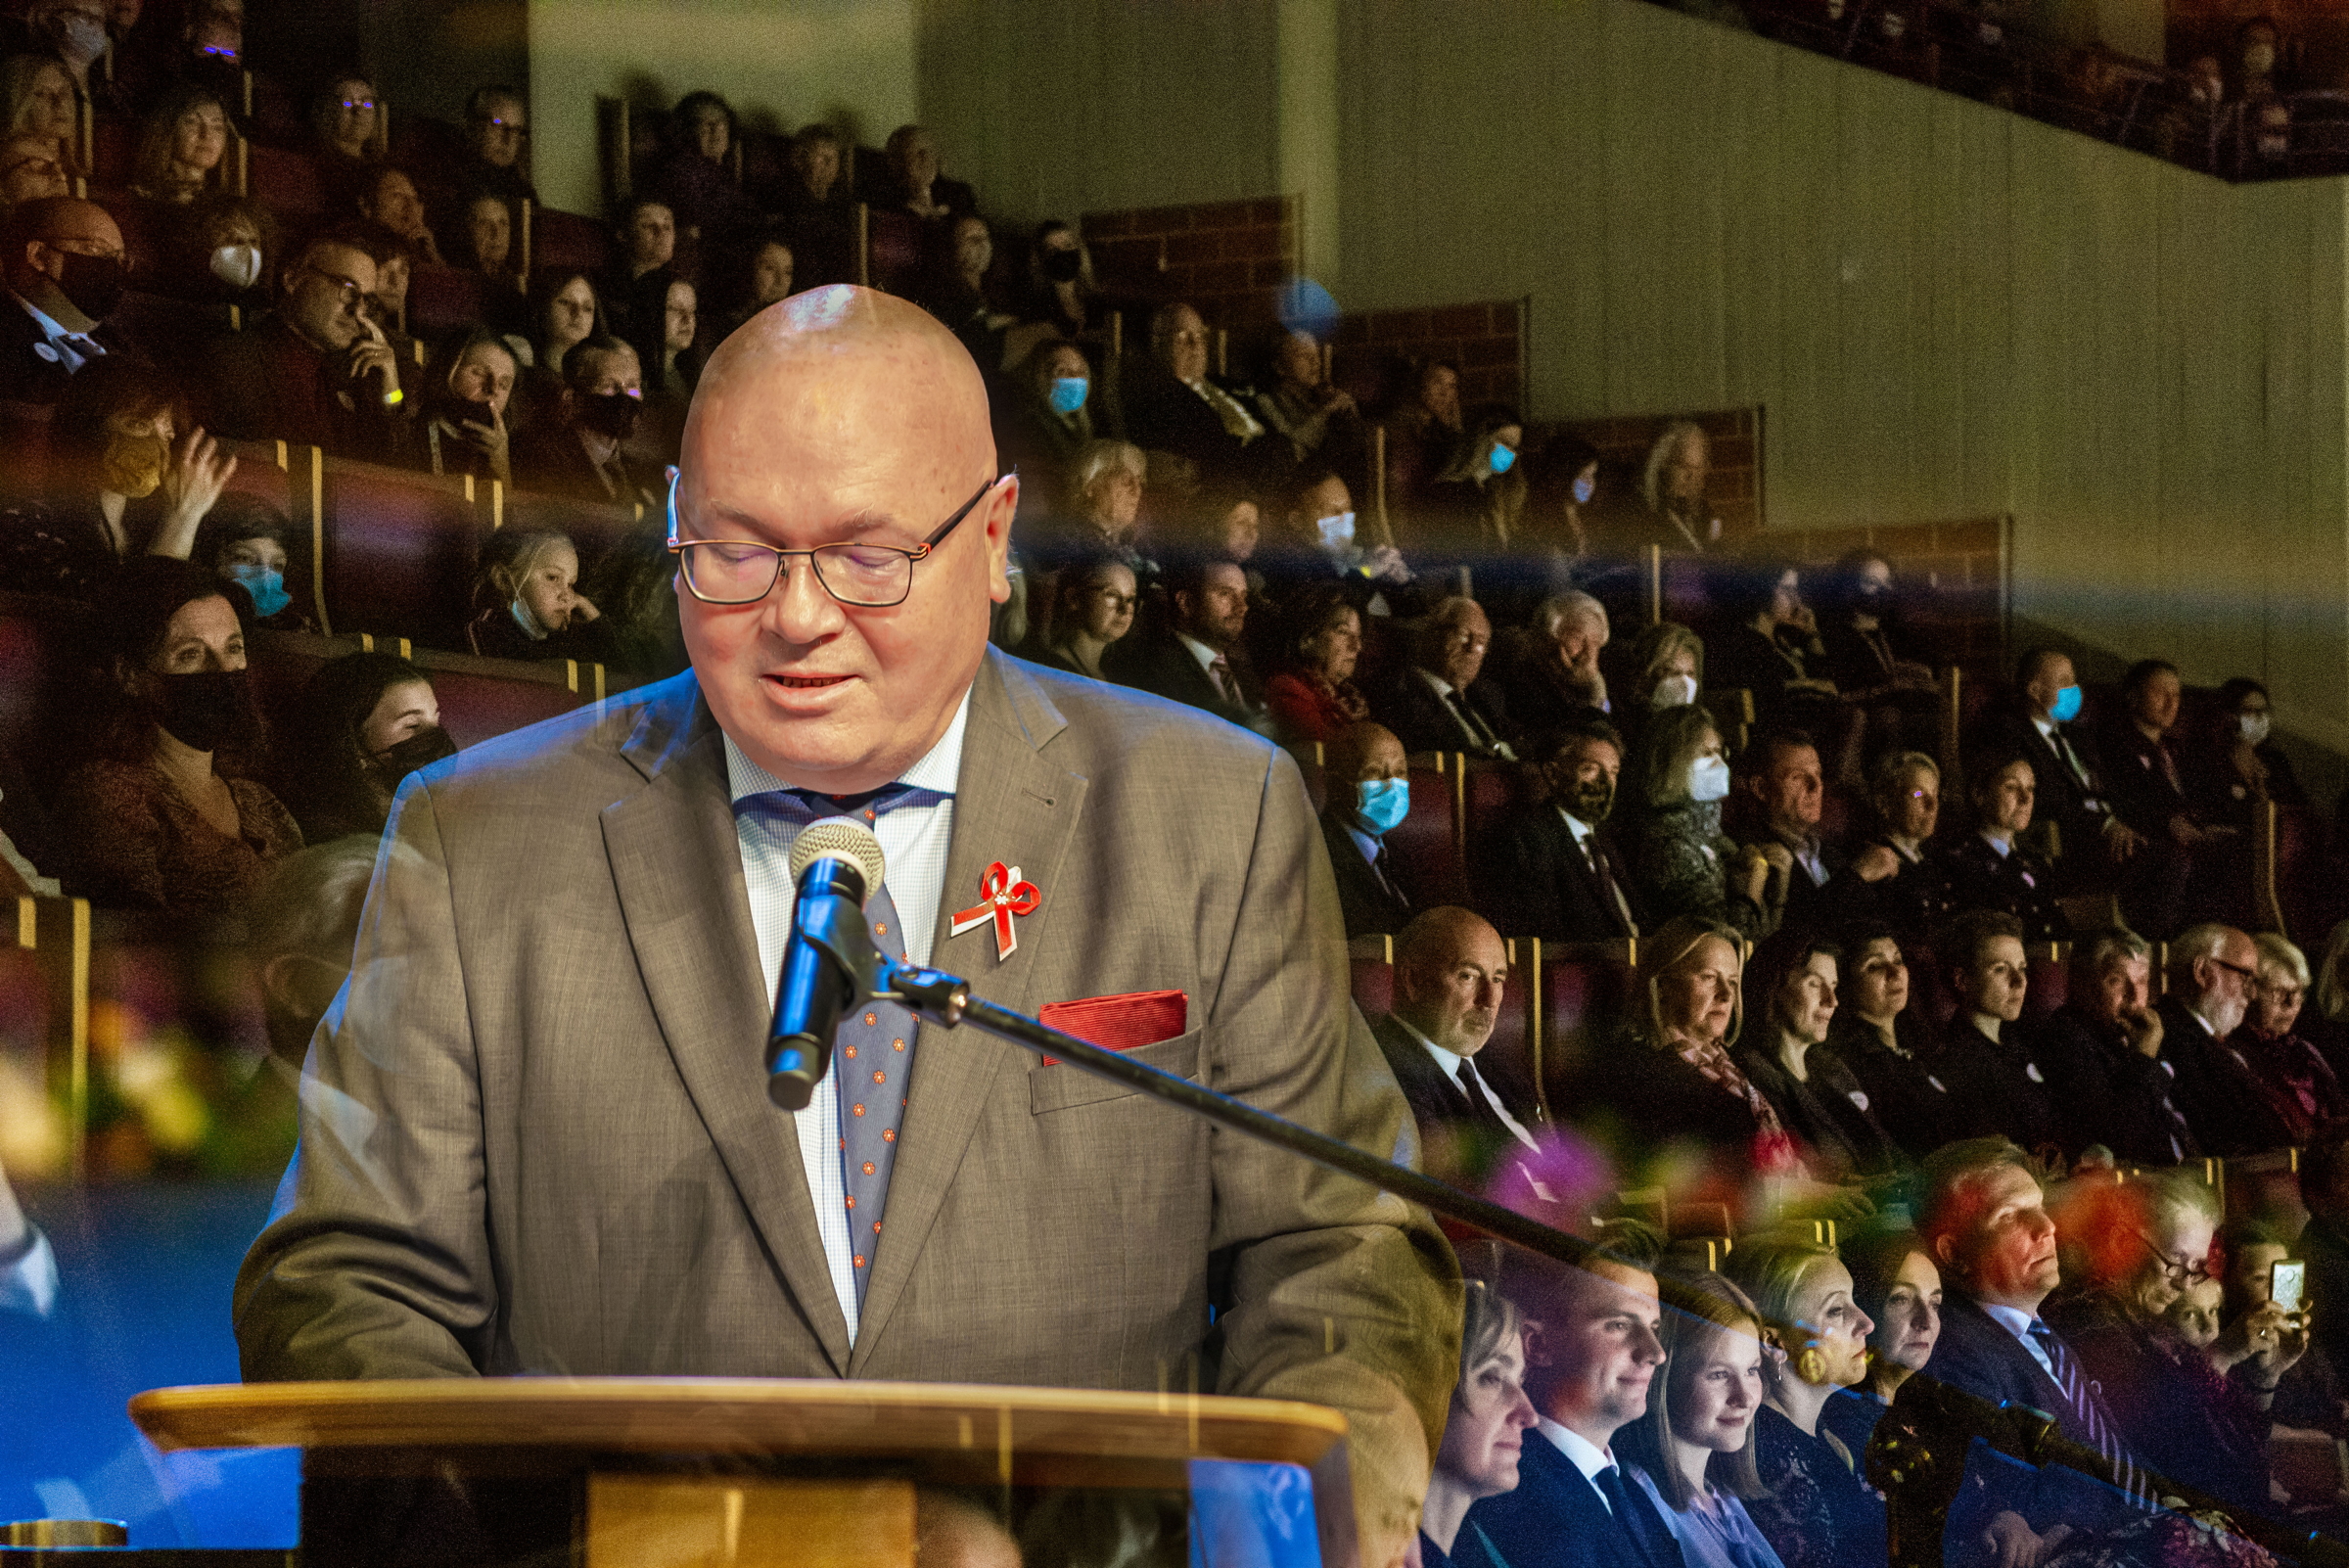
{"x": 2087, "y": 1412}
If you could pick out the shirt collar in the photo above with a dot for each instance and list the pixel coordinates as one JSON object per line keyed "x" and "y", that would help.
{"x": 1449, "y": 1061}
{"x": 2013, "y": 1320}
{"x": 1587, "y": 1456}
{"x": 50, "y": 327}
{"x": 2046, "y": 726}
{"x": 2001, "y": 845}
{"x": 1442, "y": 687}
{"x": 1198, "y": 650}
{"x": 1575, "y": 825}
{"x": 937, "y": 772}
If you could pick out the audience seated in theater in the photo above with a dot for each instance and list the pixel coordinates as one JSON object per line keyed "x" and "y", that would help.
{"x": 1473, "y": 507}
{"x": 1438, "y": 704}
{"x": 37, "y": 100}
{"x": 1573, "y": 465}
{"x": 465, "y": 430}
{"x": 1990, "y": 1063}
{"x": 1425, "y": 430}
{"x": 695, "y": 178}
{"x": 301, "y": 926}
{"x": 1549, "y": 668}
{"x": 1667, "y": 1078}
{"x": 29, "y": 170}
{"x": 219, "y": 251}
{"x": 1896, "y": 1286}
{"x": 1485, "y": 1433}
{"x": 814, "y": 186}
{"x": 955, "y": 290}
{"x": 484, "y": 238}
{"x": 2239, "y": 765}
{"x": 1905, "y": 887}
{"x": 388, "y": 302}
{"x": 2292, "y": 1075}
{"x": 746, "y": 278}
{"x": 909, "y": 181}
{"x": 1668, "y": 671}
{"x": 244, "y": 540}
{"x": 1991, "y": 867}
{"x": 1693, "y": 1454}
{"x": 1672, "y": 513}
{"x": 2325, "y": 1021}
{"x": 578, "y": 450}
{"x": 2214, "y": 974}
{"x": 666, "y": 347}
{"x": 2306, "y": 1396}
{"x": 63, "y": 264}
{"x": 2038, "y": 718}
{"x": 1059, "y": 292}
{"x": 498, "y": 125}
{"x": 128, "y": 476}
{"x": 1049, "y": 418}
{"x": 564, "y": 311}
{"x": 2149, "y": 795}
{"x": 2324, "y": 1242}
{"x": 1682, "y": 863}
{"x": 531, "y": 606}
{"x": 1312, "y": 693}
{"x": 1320, "y": 422}
{"x": 2103, "y": 1054}
{"x": 1368, "y": 792}
{"x": 1187, "y": 655}
{"x": 315, "y": 371}
{"x": 635, "y": 586}
{"x": 368, "y": 721}
{"x": 2131, "y": 1250}
{"x": 1981, "y": 1212}
{"x": 1093, "y": 598}
{"x": 646, "y": 235}
{"x": 1591, "y": 1377}
{"x": 211, "y": 53}
{"x": 1887, "y": 1044}
{"x": 1771, "y": 646}
{"x": 1785, "y": 1054}
{"x": 1174, "y": 405}
{"x": 1869, "y": 655}
{"x": 1101, "y": 507}
{"x": 1784, "y": 799}
{"x": 1317, "y": 542}
{"x": 1546, "y": 869}
{"x": 183, "y": 144}
{"x": 388, "y": 199}
{"x": 1817, "y": 1512}
{"x": 1450, "y": 970}
{"x": 166, "y": 813}
{"x": 345, "y": 124}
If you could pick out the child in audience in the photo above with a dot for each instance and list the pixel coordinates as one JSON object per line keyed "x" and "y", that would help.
{"x": 367, "y": 721}
{"x": 531, "y": 606}
{"x": 244, "y": 541}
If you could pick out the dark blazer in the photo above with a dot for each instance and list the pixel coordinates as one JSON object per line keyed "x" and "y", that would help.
{"x": 2113, "y": 1094}
{"x": 1424, "y": 722}
{"x": 1908, "y": 1096}
{"x": 1999, "y": 1087}
{"x": 1158, "y": 663}
{"x": 1370, "y": 907}
{"x": 2216, "y": 1087}
{"x": 2142, "y": 794}
{"x": 1164, "y": 415}
{"x": 2079, "y": 809}
{"x": 1819, "y": 905}
{"x": 1438, "y": 1103}
{"x": 549, "y": 460}
{"x": 266, "y": 383}
{"x": 1535, "y": 881}
{"x": 1975, "y": 876}
{"x": 1556, "y": 1519}
{"x": 1825, "y": 1112}
{"x": 1976, "y": 1354}
{"x": 1654, "y": 1098}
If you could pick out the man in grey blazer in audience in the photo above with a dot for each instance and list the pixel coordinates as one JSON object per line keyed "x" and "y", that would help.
{"x": 535, "y": 1134}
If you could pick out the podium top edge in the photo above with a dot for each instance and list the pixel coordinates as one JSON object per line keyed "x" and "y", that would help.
{"x": 776, "y": 1415}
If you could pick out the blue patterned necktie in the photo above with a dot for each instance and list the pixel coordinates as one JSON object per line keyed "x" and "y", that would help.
{"x": 2086, "y": 1413}
{"x": 872, "y": 1051}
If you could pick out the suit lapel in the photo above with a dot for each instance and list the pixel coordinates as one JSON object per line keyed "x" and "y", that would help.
{"x": 1010, "y": 804}
{"x": 669, "y": 844}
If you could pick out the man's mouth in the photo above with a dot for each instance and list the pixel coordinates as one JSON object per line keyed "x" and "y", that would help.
{"x": 806, "y": 682}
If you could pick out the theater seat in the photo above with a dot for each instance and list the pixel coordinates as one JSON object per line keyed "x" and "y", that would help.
{"x": 481, "y": 699}
{"x": 2050, "y": 977}
{"x": 441, "y": 300}
{"x": 1425, "y": 844}
{"x": 1513, "y": 1057}
{"x": 398, "y": 553}
{"x": 287, "y": 180}
{"x": 1583, "y": 988}
{"x": 1374, "y": 986}
{"x": 282, "y": 663}
{"x": 566, "y": 242}
{"x": 594, "y": 529}
{"x": 893, "y": 248}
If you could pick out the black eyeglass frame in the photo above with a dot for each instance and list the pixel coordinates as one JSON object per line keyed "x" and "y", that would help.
{"x": 919, "y": 553}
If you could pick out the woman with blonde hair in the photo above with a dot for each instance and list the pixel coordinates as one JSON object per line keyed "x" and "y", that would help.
{"x": 1693, "y": 1451}
{"x": 2327, "y": 1023}
{"x": 183, "y": 148}
{"x": 1820, "y": 1512}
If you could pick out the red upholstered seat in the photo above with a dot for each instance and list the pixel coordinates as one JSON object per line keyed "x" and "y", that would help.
{"x": 1373, "y": 984}
{"x": 1424, "y": 850}
{"x": 567, "y": 241}
{"x": 441, "y": 300}
{"x": 894, "y": 242}
{"x": 287, "y": 180}
{"x": 484, "y": 698}
{"x": 1586, "y": 988}
{"x": 400, "y": 550}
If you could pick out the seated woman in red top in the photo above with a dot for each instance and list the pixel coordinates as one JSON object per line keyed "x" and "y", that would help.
{"x": 1313, "y": 696}
{"x": 165, "y": 814}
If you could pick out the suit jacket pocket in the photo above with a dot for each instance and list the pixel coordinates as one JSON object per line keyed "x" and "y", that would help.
{"x": 1059, "y": 1087}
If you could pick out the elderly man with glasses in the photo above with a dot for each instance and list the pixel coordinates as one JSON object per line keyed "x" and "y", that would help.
{"x": 2214, "y": 971}
{"x": 538, "y": 1133}
{"x": 317, "y": 370}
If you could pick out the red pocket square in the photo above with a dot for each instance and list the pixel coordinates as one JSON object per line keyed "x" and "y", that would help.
{"x": 1120, "y": 1023}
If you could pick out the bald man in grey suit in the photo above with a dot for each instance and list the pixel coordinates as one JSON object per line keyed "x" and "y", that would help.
{"x": 535, "y": 1134}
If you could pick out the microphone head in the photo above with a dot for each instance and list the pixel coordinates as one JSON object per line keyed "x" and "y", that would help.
{"x": 840, "y": 838}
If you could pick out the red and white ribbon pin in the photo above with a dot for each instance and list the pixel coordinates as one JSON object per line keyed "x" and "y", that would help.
{"x": 1002, "y": 894}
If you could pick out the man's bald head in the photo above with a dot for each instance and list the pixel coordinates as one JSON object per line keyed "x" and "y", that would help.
{"x": 841, "y": 416}
{"x": 1360, "y": 752}
{"x": 37, "y": 237}
{"x": 1450, "y": 967}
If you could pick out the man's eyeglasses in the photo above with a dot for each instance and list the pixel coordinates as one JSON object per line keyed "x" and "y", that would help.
{"x": 865, "y": 576}
{"x": 358, "y": 102}
{"x": 347, "y": 292}
{"x": 2250, "y": 976}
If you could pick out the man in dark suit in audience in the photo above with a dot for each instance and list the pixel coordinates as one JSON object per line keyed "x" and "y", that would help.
{"x": 1550, "y": 668}
{"x": 2324, "y": 1243}
{"x": 1450, "y": 969}
{"x": 581, "y": 452}
{"x": 61, "y": 261}
{"x": 2213, "y": 969}
{"x": 1591, "y": 1354}
{"x": 2102, "y": 1053}
{"x": 1984, "y": 1220}
{"x": 1368, "y": 791}
{"x": 1188, "y": 656}
{"x": 1997, "y": 1086}
{"x": 2039, "y": 719}
{"x": 2148, "y": 796}
{"x": 317, "y": 370}
{"x": 1438, "y": 704}
{"x": 1785, "y": 792}
{"x": 1550, "y": 871}
{"x": 1174, "y": 405}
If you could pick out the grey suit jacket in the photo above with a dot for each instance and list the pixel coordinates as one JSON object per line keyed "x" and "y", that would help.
{"x": 535, "y": 1134}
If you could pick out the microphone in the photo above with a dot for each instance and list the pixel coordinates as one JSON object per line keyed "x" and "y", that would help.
{"x": 835, "y": 864}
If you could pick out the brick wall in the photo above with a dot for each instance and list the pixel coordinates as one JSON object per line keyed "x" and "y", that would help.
{"x": 1229, "y": 259}
{"x": 1735, "y": 437}
{"x": 1962, "y": 563}
{"x": 1375, "y": 349}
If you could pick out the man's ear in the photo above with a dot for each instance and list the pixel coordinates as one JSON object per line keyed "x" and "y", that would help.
{"x": 1000, "y": 509}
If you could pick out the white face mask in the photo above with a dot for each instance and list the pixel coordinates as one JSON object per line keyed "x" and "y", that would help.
{"x": 238, "y": 265}
{"x": 1337, "y": 532}
{"x": 83, "y": 40}
{"x": 1673, "y": 691}
{"x": 1708, "y": 780}
{"x": 2255, "y": 727}
{"x": 2259, "y": 60}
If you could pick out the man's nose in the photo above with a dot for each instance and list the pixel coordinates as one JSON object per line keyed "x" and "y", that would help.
{"x": 800, "y": 609}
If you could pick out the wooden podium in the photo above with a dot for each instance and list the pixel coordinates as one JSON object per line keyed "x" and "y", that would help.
{"x": 764, "y": 1474}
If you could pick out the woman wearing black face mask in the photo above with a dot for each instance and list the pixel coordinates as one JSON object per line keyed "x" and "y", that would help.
{"x": 1059, "y": 290}
{"x": 164, "y": 812}
{"x": 367, "y": 721}
{"x": 467, "y": 433}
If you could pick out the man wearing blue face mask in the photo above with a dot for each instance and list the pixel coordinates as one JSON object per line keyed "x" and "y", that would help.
{"x": 1369, "y": 794}
{"x": 2040, "y": 721}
